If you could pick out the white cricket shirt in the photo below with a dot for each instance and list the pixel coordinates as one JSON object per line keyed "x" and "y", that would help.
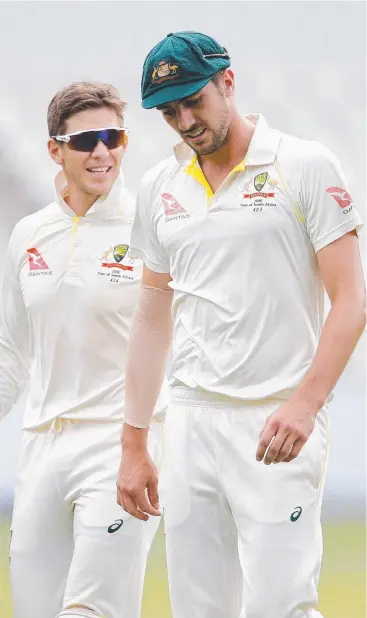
{"x": 248, "y": 297}
{"x": 69, "y": 289}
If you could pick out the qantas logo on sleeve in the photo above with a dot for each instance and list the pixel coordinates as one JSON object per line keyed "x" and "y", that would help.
{"x": 37, "y": 263}
{"x": 172, "y": 209}
{"x": 342, "y": 197}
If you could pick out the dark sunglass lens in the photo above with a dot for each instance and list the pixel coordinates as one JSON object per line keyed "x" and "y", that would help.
{"x": 84, "y": 142}
{"x": 87, "y": 141}
{"x": 112, "y": 138}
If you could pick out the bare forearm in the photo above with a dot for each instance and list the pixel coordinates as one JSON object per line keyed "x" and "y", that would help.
{"x": 145, "y": 370}
{"x": 342, "y": 329}
{"x": 150, "y": 340}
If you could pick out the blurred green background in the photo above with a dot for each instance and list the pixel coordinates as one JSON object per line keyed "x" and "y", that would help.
{"x": 342, "y": 586}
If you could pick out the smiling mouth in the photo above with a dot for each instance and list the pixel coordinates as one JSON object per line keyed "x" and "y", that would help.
{"x": 195, "y": 135}
{"x": 99, "y": 171}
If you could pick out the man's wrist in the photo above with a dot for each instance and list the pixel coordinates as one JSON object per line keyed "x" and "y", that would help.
{"x": 134, "y": 438}
{"x": 310, "y": 397}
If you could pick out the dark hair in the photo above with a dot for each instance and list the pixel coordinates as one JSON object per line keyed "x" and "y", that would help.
{"x": 216, "y": 78}
{"x": 78, "y": 97}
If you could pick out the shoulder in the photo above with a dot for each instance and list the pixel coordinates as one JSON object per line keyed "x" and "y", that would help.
{"x": 154, "y": 178}
{"x": 25, "y": 228}
{"x": 306, "y": 155}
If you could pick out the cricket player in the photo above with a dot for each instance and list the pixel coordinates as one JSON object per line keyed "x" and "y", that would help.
{"x": 240, "y": 231}
{"x": 68, "y": 293}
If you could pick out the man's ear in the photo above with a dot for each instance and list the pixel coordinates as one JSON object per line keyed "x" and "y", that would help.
{"x": 55, "y": 151}
{"x": 229, "y": 82}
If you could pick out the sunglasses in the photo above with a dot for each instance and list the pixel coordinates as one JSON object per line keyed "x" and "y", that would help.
{"x": 86, "y": 141}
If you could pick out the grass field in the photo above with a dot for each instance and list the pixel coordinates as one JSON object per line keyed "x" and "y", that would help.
{"x": 342, "y": 587}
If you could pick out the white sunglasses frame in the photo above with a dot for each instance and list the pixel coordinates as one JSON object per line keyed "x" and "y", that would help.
{"x": 66, "y": 138}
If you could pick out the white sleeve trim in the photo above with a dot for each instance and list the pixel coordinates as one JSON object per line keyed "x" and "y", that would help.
{"x": 338, "y": 232}
{"x": 156, "y": 268}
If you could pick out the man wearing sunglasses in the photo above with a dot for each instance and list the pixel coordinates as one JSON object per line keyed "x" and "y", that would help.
{"x": 68, "y": 294}
{"x": 246, "y": 225}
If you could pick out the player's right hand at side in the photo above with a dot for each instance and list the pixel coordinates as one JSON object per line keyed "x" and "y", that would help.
{"x": 137, "y": 483}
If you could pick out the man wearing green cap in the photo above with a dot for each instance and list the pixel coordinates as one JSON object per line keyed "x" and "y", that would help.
{"x": 240, "y": 231}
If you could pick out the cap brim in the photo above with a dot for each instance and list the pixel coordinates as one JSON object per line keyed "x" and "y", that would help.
{"x": 174, "y": 92}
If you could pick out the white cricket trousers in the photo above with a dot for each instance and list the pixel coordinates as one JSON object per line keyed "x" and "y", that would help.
{"x": 72, "y": 545}
{"x": 243, "y": 539}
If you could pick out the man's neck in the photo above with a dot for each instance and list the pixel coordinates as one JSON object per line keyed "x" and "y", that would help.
{"x": 79, "y": 201}
{"x": 234, "y": 149}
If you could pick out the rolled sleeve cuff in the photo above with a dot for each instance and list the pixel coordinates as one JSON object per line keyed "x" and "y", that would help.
{"x": 354, "y": 224}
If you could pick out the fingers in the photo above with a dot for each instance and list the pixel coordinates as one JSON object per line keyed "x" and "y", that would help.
{"x": 137, "y": 486}
{"x": 140, "y": 504}
{"x": 296, "y": 449}
{"x": 153, "y": 496}
{"x": 275, "y": 447}
{"x": 285, "y": 449}
{"x": 128, "y": 504}
{"x": 120, "y": 499}
{"x": 281, "y": 440}
{"x": 144, "y": 504}
{"x": 133, "y": 509}
{"x": 266, "y": 436}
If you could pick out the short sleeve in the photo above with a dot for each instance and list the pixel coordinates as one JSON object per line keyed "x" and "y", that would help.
{"x": 144, "y": 243}
{"x": 14, "y": 330}
{"x": 325, "y": 199}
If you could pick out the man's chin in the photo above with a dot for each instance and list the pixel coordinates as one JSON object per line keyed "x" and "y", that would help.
{"x": 208, "y": 149}
{"x": 100, "y": 186}
{"x": 204, "y": 150}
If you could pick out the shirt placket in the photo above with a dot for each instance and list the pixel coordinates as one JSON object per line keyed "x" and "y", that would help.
{"x": 76, "y": 254}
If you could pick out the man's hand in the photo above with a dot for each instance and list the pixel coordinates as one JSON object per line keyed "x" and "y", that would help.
{"x": 286, "y": 431}
{"x": 137, "y": 482}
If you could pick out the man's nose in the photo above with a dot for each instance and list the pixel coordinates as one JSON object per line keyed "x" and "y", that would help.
{"x": 100, "y": 150}
{"x": 186, "y": 119}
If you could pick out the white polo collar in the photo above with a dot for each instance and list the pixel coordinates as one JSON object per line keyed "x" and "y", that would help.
{"x": 106, "y": 205}
{"x": 262, "y": 149}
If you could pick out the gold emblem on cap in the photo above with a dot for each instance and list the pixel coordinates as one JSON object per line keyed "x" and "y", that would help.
{"x": 164, "y": 70}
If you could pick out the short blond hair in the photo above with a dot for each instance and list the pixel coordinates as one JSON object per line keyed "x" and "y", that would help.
{"x": 78, "y": 97}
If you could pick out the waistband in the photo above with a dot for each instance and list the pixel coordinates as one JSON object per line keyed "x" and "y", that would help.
{"x": 198, "y": 397}
{"x": 60, "y": 423}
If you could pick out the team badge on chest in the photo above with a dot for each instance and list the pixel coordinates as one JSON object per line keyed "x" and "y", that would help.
{"x": 117, "y": 264}
{"x": 119, "y": 252}
{"x": 259, "y": 192}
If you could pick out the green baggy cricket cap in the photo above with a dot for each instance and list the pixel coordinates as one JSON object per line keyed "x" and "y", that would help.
{"x": 179, "y": 66}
